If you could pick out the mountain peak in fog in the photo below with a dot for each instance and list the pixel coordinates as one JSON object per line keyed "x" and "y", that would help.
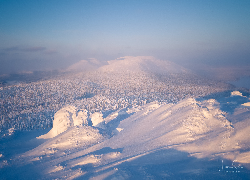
{"x": 147, "y": 64}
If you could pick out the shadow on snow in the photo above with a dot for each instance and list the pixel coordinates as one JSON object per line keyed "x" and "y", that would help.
{"x": 227, "y": 102}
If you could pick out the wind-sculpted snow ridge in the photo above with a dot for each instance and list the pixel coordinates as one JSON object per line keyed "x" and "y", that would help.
{"x": 124, "y": 83}
{"x": 65, "y": 118}
{"x": 130, "y": 142}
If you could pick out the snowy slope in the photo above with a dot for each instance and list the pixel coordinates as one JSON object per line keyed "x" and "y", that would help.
{"x": 131, "y": 69}
{"x": 145, "y": 77}
{"x": 135, "y": 118}
{"x": 150, "y": 135}
{"x": 143, "y": 63}
{"x": 125, "y": 82}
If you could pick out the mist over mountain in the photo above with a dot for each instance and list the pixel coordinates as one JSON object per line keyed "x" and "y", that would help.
{"x": 136, "y": 116}
{"x": 114, "y": 89}
{"x": 85, "y": 65}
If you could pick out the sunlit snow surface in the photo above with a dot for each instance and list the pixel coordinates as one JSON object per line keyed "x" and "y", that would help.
{"x": 197, "y": 132}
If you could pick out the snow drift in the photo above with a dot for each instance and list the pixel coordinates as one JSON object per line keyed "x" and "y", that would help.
{"x": 199, "y": 128}
{"x": 64, "y": 119}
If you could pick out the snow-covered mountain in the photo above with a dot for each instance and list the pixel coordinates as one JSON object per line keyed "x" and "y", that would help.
{"x": 147, "y": 64}
{"x": 125, "y": 82}
{"x": 137, "y": 117}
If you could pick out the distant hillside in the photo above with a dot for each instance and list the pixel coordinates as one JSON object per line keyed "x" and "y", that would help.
{"x": 147, "y": 64}
{"x": 147, "y": 74}
{"x": 123, "y": 83}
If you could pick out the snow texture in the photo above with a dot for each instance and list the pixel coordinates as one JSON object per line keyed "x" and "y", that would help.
{"x": 137, "y": 117}
{"x": 64, "y": 119}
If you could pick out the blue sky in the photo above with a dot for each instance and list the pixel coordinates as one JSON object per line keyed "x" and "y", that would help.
{"x": 46, "y": 34}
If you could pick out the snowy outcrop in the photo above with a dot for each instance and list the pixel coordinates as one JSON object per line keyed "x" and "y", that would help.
{"x": 236, "y": 93}
{"x": 246, "y": 104}
{"x": 97, "y": 120}
{"x": 65, "y": 118}
{"x": 80, "y": 117}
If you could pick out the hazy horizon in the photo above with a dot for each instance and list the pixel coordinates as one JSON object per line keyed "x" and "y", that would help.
{"x": 173, "y": 102}
{"x": 41, "y": 35}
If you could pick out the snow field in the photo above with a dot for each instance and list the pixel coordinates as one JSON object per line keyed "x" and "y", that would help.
{"x": 135, "y": 111}
{"x": 125, "y": 83}
{"x": 199, "y": 128}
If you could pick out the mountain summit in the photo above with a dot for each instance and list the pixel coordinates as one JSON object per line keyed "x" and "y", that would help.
{"x": 147, "y": 64}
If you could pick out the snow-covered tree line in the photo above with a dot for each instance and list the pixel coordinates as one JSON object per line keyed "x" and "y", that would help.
{"x": 33, "y": 105}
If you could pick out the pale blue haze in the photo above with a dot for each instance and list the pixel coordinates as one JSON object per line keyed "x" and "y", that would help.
{"x": 50, "y": 34}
